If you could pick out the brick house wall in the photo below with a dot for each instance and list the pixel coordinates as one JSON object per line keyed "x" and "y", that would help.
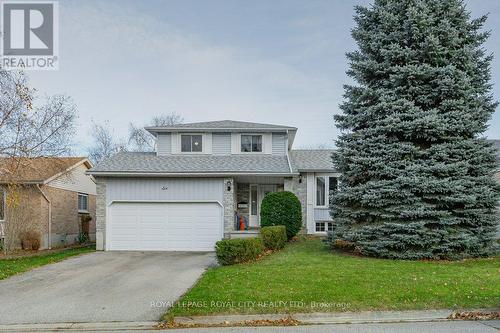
{"x": 24, "y": 212}
{"x": 29, "y": 211}
{"x": 66, "y": 224}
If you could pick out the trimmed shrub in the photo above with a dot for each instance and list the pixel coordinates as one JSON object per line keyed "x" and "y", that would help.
{"x": 282, "y": 208}
{"x": 234, "y": 251}
{"x": 274, "y": 237}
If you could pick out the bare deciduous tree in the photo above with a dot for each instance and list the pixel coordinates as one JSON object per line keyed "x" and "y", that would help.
{"x": 30, "y": 129}
{"x": 141, "y": 140}
{"x": 104, "y": 143}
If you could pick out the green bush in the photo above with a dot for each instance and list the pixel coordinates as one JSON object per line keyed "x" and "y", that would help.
{"x": 274, "y": 237}
{"x": 233, "y": 251}
{"x": 282, "y": 208}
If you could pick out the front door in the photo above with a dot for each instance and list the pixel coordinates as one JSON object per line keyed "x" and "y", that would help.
{"x": 257, "y": 193}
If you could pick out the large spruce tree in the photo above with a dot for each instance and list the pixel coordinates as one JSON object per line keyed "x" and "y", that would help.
{"x": 417, "y": 177}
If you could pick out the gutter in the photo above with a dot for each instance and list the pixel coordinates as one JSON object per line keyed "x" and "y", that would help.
{"x": 49, "y": 222}
{"x": 191, "y": 174}
{"x": 225, "y": 129}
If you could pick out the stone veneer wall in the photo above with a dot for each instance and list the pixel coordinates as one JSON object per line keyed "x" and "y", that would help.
{"x": 242, "y": 195}
{"x": 100, "y": 230}
{"x": 300, "y": 190}
{"x": 229, "y": 206}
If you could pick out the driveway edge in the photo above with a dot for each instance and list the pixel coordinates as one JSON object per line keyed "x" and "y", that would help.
{"x": 106, "y": 326}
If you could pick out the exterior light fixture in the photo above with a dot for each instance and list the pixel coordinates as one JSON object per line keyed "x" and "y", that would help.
{"x": 300, "y": 178}
{"x": 228, "y": 186}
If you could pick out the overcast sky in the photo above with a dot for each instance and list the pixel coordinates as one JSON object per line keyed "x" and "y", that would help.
{"x": 279, "y": 62}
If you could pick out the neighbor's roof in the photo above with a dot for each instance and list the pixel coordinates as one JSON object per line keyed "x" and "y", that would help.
{"x": 312, "y": 160}
{"x": 150, "y": 163}
{"x": 496, "y": 143}
{"x": 36, "y": 170}
{"x": 221, "y": 125}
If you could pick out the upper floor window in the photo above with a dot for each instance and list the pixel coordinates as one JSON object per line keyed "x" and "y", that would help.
{"x": 191, "y": 143}
{"x": 251, "y": 143}
{"x": 83, "y": 202}
{"x": 325, "y": 185}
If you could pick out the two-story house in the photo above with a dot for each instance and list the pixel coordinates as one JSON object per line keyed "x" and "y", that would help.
{"x": 204, "y": 182}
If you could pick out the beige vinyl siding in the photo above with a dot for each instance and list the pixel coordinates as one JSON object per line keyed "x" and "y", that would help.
{"x": 76, "y": 180}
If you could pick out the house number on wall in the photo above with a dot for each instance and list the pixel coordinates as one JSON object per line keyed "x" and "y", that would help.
{"x": 164, "y": 188}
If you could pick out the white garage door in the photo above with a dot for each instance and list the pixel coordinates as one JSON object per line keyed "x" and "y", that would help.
{"x": 164, "y": 226}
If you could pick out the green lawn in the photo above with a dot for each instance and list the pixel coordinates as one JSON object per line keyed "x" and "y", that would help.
{"x": 9, "y": 267}
{"x": 305, "y": 273}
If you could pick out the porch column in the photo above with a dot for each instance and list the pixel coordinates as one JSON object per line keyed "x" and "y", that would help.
{"x": 229, "y": 206}
{"x": 299, "y": 188}
{"x": 100, "y": 226}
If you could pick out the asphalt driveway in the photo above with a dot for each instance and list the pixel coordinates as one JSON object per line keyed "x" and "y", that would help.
{"x": 101, "y": 287}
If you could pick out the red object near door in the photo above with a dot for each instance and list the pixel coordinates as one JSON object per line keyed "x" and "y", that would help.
{"x": 242, "y": 223}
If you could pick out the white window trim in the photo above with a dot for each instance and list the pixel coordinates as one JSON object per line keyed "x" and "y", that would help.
{"x": 203, "y": 140}
{"x": 327, "y": 177}
{"x": 78, "y": 203}
{"x": 326, "y": 227}
{"x": 267, "y": 144}
{"x": 261, "y": 143}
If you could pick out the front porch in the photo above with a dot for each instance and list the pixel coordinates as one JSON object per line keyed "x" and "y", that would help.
{"x": 249, "y": 192}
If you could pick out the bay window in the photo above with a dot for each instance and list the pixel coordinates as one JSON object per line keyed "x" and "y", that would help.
{"x": 325, "y": 187}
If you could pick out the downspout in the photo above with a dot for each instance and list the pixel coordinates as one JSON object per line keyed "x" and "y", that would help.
{"x": 49, "y": 222}
{"x": 288, "y": 157}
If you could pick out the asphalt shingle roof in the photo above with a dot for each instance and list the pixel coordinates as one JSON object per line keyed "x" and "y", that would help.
{"x": 150, "y": 163}
{"x": 34, "y": 170}
{"x": 222, "y": 124}
{"x": 312, "y": 160}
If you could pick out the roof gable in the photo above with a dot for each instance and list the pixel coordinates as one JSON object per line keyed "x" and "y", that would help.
{"x": 37, "y": 170}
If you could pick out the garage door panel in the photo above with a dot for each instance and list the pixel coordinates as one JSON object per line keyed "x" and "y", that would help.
{"x": 164, "y": 226}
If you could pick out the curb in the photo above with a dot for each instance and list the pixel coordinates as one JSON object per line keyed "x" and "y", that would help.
{"x": 324, "y": 318}
{"x": 364, "y": 317}
{"x": 106, "y": 327}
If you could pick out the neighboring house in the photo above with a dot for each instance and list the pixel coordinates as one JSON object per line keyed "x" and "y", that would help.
{"x": 496, "y": 143}
{"x": 201, "y": 180}
{"x": 48, "y": 195}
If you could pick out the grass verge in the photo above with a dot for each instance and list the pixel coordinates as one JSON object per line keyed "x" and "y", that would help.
{"x": 307, "y": 277}
{"x": 9, "y": 267}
